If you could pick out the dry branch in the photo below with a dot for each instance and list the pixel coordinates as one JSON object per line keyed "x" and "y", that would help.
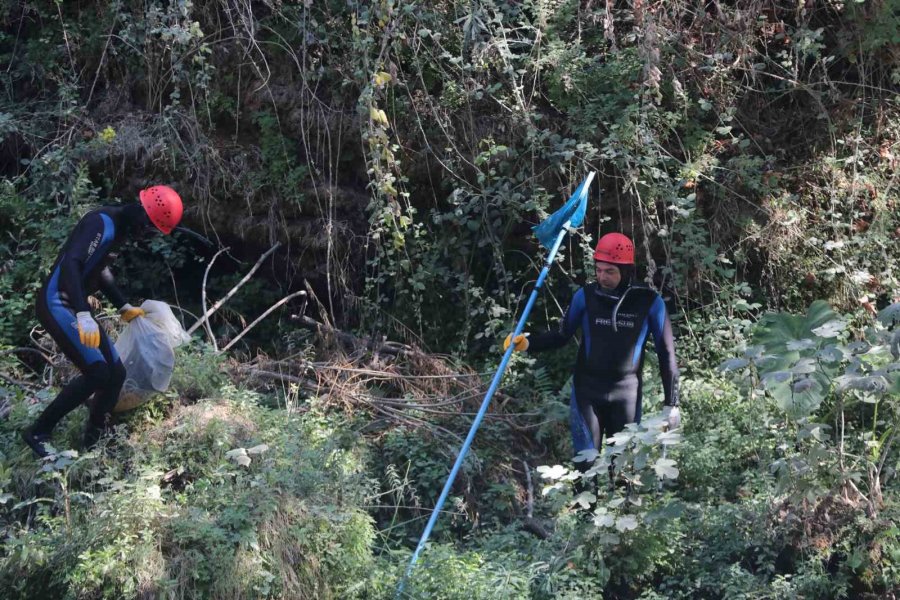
{"x": 261, "y": 317}
{"x": 530, "y": 523}
{"x": 233, "y": 290}
{"x": 381, "y": 347}
{"x": 27, "y": 351}
{"x": 209, "y": 332}
{"x": 306, "y": 384}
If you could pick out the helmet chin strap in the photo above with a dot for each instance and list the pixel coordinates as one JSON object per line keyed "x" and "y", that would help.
{"x": 193, "y": 234}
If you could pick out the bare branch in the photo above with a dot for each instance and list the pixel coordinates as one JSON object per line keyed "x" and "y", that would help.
{"x": 261, "y": 317}
{"x": 233, "y": 290}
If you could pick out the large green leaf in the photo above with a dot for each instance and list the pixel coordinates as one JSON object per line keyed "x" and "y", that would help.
{"x": 665, "y": 468}
{"x": 776, "y": 330}
{"x": 734, "y": 364}
{"x": 890, "y": 315}
{"x": 626, "y": 523}
{"x": 806, "y": 397}
{"x": 797, "y": 397}
{"x": 894, "y": 390}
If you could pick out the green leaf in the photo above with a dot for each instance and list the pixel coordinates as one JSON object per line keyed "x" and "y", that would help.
{"x": 733, "y": 364}
{"x": 641, "y": 459}
{"x": 584, "y": 499}
{"x": 803, "y": 385}
{"x": 873, "y": 383}
{"x": 754, "y": 352}
{"x": 665, "y": 468}
{"x": 608, "y": 539}
{"x": 800, "y": 345}
{"x": 804, "y": 366}
{"x": 620, "y": 439}
{"x": 604, "y": 520}
{"x": 626, "y": 523}
{"x": 615, "y": 502}
{"x": 830, "y": 354}
{"x": 554, "y": 472}
{"x": 859, "y": 347}
{"x": 589, "y": 456}
{"x": 890, "y": 315}
{"x": 832, "y": 328}
{"x": 775, "y": 330}
{"x": 549, "y": 488}
{"x": 776, "y": 378}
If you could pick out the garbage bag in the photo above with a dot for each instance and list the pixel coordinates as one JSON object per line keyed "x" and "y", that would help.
{"x": 147, "y": 349}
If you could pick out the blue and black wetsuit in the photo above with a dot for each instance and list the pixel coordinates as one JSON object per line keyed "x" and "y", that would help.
{"x": 606, "y": 393}
{"x": 80, "y": 269}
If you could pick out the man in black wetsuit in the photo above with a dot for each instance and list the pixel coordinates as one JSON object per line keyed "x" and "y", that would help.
{"x": 614, "y": 316}
{"x": 63, "y": 310}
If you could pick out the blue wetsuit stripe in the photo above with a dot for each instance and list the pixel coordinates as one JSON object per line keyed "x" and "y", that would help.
{"x": 661, "y": 328}
{"x": 581, "y": 435}
{"x": 657, "y": 316}
{"x": 639, "y": 345}
{"x": 65, "y": 320}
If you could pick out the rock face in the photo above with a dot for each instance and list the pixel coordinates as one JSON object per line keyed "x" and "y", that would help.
{"x": 245, "y": 191}
{"x": 314, "y": 232}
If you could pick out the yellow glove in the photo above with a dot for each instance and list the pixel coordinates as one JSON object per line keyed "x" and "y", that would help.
{"x": 128, "y": 312}
{"x": 520, "y": 343}
{"x": 88, "y": 330}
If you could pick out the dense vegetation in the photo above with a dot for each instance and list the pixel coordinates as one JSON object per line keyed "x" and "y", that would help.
{"x": 397, "y": 153}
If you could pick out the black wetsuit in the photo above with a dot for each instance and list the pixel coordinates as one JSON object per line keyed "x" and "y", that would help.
{"x": 80, "y": 269}
{"x": 606, "y": 394}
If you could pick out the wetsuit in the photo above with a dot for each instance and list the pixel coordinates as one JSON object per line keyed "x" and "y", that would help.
{"x": 606, "y": 394}
{"x": 80, "y": 269}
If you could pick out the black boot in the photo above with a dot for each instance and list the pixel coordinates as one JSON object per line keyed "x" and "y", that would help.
{"x": 92, "y": 435}
{"x": 583, "y": 484}
{"x": 37, "y": 441}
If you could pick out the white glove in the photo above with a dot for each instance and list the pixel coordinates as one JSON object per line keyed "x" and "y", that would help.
{"x": 673, "y": 416}
{"x": 88, "y": 330}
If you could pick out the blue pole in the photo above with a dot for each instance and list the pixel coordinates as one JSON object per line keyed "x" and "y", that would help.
{"x": 495, "y": 383}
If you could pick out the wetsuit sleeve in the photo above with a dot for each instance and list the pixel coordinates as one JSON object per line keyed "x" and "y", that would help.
{"x": 81, "y": 245}
{"x": 550, "y": 340}
{"x": 661, "y": 328}
{"x": 109, "y": 289}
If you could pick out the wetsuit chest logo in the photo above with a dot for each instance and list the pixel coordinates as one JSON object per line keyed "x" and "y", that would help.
{"x": 95, "y": 243}
{"x": 628, "y": 320}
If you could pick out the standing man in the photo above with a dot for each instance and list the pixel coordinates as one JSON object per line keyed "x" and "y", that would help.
{"x": 614, "y": 316}
{"x": 62, "y": 308}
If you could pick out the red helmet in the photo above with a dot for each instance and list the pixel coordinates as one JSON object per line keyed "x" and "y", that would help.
{"x": 615, "y": 248}
{"x": 163, "y": 206}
